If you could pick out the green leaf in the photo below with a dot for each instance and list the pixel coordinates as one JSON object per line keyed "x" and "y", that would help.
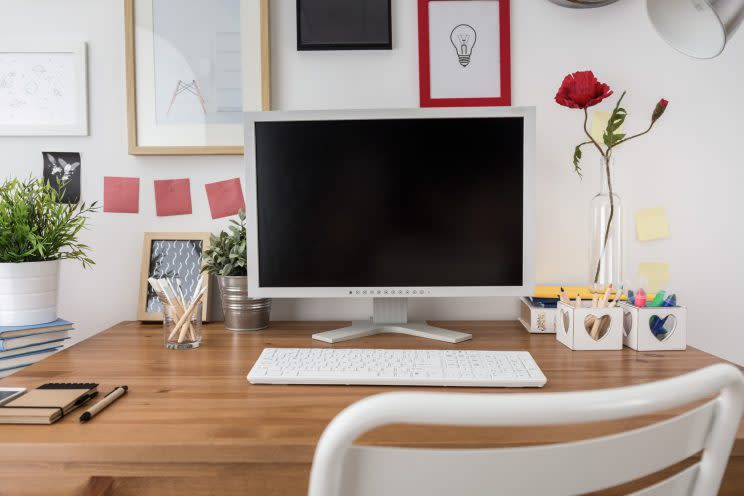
{"x": 34, "y": 226}
{"x": 226, "y": 254}
{"x": 577, "y": 159}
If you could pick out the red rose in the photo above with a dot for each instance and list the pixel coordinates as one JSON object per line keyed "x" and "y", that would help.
{"x": 581, "y": 90}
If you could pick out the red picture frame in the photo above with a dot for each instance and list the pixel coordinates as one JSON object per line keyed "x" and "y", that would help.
{"x": 424, "y": 68}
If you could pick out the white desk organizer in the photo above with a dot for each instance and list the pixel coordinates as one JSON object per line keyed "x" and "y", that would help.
{"x": 637, "y": 333}
{"x": 537, "y": 320}
{"x": 573, "y": 327}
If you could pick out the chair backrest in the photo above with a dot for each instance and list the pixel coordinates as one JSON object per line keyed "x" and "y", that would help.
{"x": 341, "y": 468}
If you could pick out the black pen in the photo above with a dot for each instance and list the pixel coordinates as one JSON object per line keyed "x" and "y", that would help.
{"x": 110, "y": 397}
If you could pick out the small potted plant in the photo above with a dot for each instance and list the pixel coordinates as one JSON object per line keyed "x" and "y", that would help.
{"x": 226, "y": 260}
{"x": 36, "y": 232}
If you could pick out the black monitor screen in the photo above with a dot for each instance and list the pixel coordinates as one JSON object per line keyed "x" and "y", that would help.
{"x": 391, "y": 202}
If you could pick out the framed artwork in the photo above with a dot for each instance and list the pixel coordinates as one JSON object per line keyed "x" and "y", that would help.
{"x": 464, "y": 53}
{"x": 193, "y": 67}
{"x": 176, "y": 257}
{"x": 43, "y": 88}
{"x": 62, "y": 171}
{"x": 344, "y": 25}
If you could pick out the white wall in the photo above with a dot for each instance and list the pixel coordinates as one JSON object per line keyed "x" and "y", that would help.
{"x": 691, "y": 164}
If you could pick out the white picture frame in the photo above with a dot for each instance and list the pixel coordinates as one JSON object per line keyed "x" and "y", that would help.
{"x": 43, "y": 88}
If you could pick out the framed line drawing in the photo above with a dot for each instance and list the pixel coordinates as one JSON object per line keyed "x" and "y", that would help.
{"x": 193, "y": 67}
{"x": 177, "y": 257}
{"x": 344, "y": 25}
{"x": 43, "y": 88}
{"x": 464, "y": 53}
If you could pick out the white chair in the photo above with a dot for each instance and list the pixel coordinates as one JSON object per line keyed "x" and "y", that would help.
{"x": 341, "y": 468}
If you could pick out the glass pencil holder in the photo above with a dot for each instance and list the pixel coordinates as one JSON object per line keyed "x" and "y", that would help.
{"x": 182, "y": 331}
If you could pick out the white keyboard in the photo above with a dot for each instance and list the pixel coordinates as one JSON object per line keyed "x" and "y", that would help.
{"x": 396, "y": 367}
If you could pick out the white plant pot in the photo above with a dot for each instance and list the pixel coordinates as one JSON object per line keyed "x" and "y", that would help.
{"x": 28, "y": 292}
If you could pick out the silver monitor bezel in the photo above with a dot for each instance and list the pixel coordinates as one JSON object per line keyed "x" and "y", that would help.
{"x": 528, "y": 277}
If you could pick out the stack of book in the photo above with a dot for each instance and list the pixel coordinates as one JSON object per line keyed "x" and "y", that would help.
{"x": 21, "y": 346}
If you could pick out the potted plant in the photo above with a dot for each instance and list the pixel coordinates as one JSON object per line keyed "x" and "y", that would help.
{"x": 226, "y": 260}
{"x": 36, "y": 232}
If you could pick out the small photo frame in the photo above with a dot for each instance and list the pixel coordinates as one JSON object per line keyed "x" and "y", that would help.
{"x": 344, "y": 25}
{"x": 62, "y": 172}
{"x": 176, "y": 257}
{"x": 464, "y": 53}
{"x": 43, "y": 88}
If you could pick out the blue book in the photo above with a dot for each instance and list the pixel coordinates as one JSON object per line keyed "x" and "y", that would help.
{"x": 32, "y": 347}
{"x": 24, "y": 359}
{"x": 32, "y": 339}
{"x": 12, "y": 331}
{"x": 7, "y": 372}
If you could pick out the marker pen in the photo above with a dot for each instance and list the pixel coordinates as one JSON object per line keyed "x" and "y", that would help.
{"x": 640, "y": 298}
{"x": 670, "y": 301}
{"x": 658, "y": 299}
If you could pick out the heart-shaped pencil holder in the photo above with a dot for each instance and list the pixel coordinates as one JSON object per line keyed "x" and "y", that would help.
{"x": 589, "y": 328}
{"x": 654, "y": 328}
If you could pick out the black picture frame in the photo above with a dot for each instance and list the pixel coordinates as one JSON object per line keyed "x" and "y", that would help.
{"x": 305, "y": 45}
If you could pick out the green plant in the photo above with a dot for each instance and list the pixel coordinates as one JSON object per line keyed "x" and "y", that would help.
{"x": 36, "y": 227}
{"x": 226, "y": 255}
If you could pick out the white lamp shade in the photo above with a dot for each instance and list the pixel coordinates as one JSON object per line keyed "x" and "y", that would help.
{"x": 698, "y": 28}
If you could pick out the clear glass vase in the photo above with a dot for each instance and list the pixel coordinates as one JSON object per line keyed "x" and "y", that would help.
{"x": 606, "y": 232}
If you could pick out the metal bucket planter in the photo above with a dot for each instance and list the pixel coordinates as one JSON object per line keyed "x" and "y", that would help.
{"x": 242, "y": 313}
{"x": 28, "y": 293}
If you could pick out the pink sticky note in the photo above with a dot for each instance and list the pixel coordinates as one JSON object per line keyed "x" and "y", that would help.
{"x": 121, "y": 195}
{"x": 225, "y": 198}
{"x": 172, "y": 197}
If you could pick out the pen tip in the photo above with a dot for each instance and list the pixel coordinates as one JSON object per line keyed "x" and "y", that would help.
{"x": 85, "y": 417}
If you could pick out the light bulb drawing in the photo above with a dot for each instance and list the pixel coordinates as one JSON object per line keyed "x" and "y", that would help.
{"x": 463, "y": 39}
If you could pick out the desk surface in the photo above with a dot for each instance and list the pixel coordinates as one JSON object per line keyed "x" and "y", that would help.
{"x": 195, "y": 408}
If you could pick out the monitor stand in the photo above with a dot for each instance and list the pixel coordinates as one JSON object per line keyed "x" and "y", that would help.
{"x": 390, "y": 315}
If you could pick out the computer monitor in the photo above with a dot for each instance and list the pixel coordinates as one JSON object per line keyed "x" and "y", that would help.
{"x": 390, "y": 205}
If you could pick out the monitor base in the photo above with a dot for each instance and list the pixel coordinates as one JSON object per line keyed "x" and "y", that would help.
{"x": 363, "y": 328}
{"x": 390, "y": 315}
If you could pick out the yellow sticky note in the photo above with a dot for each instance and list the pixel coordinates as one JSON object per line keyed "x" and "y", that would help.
{"x": 656, "y": 274}
{"x": 600, "y": 118}
{"x": 651, "y": 223}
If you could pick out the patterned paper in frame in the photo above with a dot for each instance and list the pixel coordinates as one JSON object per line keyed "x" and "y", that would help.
{"x": 179, "y": 261}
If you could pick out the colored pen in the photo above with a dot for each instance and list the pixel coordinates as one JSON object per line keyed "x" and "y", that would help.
{"x": 618, "y": 297}
{"x": 657, "y": 325}
{"x": 658, "y": 299}
{"x": 640, "y": 298}
{"x": 605, "y": 297}
{"x": 110, "y": 397}
{"x": 670, "y": 301}
{"x": 631, "y": 297}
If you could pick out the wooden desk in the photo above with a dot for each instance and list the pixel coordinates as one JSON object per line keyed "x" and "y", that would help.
{"x": 191, "y": 424}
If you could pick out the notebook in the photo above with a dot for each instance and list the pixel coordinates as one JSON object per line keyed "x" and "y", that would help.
{"x": 47, "y": 404}
{"x": 55, "y": 325}
{"x": 21, "y": 341}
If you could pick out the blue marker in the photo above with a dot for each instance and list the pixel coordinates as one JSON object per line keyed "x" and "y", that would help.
{"x": 657, "y": 326}
{"x": 670, "y": 301}
{"x": 631, "y": 297}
